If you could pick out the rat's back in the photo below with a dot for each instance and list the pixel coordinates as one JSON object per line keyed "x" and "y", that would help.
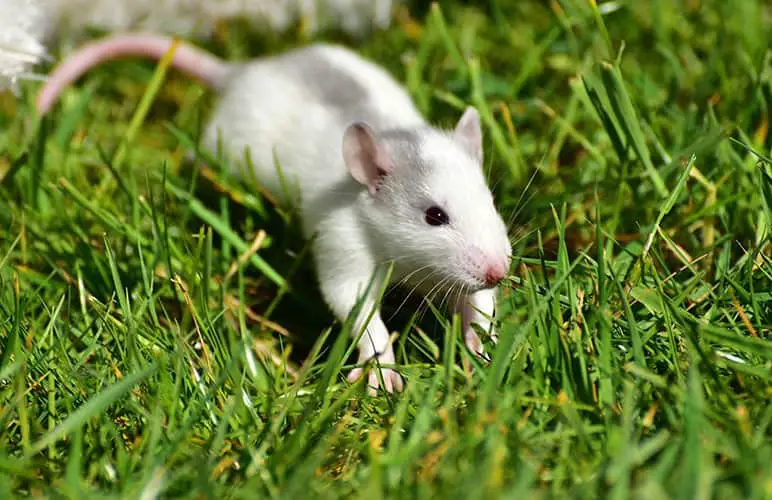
{"x": 292, "y": 110}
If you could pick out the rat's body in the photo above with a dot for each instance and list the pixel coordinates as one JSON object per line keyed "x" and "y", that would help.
{"x": 374, "y": 182}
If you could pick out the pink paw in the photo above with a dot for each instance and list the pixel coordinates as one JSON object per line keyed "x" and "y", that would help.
{"x": 392, "y": 380}
{"x": 474, "y": 344}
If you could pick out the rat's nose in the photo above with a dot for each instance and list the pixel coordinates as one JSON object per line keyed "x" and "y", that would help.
{"x": 495, "y": 273}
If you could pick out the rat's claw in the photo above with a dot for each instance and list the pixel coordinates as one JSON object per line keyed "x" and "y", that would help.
{"x": 398, "y": 382}
{"x": 354, "y": 375}
{"x": 474, "y": 344}
{"x": 373, "y": 382}
{"x": 392, "y": 380}
{"x": 387, "y": 378}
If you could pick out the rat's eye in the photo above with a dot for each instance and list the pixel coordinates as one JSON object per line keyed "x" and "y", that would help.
{"x": 435, "y": 216}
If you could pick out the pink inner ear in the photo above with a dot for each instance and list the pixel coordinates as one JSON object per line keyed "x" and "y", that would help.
{"x": 365, "y": 159}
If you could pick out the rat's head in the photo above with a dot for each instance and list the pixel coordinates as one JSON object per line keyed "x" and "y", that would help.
{"x": 428, "y": 204}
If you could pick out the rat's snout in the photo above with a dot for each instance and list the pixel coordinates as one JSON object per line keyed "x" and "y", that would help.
{"x": 487, "y": 269}
{"x": 495, "y": 273}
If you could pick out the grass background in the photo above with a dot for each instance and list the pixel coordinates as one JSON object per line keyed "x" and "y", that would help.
{"x": 148, "y": 349}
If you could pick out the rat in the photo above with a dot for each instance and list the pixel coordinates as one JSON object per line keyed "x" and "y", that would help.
{"x": 378, "y": 188}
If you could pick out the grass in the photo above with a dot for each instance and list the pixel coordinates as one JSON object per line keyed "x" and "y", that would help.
{"x": 162, "y": 333}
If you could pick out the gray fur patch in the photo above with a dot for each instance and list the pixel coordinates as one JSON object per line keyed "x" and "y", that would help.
{"x": 402, "y": 135}
{"x": 405, "y": 149}
{"x": 327, "y": 83}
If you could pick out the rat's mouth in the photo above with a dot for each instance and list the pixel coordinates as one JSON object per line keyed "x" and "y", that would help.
{"x": 487, "y": 286}
{"x": 468, "y": 285}
{"x": 439, "y": 282}
{"x": 476, "y": 284}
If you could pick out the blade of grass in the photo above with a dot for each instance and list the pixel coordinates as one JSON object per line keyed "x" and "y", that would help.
{"x": 669, "y": 203}
{"x": 224, "y": 230}
{"x": 627, "y": 117}
{"x": 93, "y": 406}
{"x": 144, "y": 105}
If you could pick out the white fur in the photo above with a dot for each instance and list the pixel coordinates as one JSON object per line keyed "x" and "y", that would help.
{"x": 267, "y": 112}
{"x": 27, "y": 25}
{"x": 199, "y": 17}
{"x": 22, "y": 24}
{"x": 364, "y": 202}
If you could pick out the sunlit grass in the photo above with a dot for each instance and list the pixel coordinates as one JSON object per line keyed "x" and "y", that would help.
{"x": 161, "y": 332}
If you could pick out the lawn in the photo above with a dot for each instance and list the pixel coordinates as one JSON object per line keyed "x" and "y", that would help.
{"x": 150, "y": 349}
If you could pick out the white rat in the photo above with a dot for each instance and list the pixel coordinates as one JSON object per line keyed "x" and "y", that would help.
{"x": 376, "y": 183}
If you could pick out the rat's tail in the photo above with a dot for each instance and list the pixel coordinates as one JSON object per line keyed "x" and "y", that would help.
{"x": 192, "y": 61}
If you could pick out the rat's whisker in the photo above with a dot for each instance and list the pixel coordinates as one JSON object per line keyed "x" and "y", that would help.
{"x": 335, "y": 174}
{"x": 407, "y": 297}
{"x": 519, "y": 235}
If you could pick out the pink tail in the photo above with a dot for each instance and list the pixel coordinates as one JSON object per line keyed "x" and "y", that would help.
{"x": 188, "y": 59}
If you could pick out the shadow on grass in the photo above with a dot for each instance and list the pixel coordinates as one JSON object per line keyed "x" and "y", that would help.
{"x": 302, "y": 310}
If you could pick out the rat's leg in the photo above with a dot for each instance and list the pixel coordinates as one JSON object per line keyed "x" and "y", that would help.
{"x": 478, "y": 307}
{"x": 342, "y": 286}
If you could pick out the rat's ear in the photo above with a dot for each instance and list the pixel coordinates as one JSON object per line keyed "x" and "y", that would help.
{"x": 365, "y": 159}
{"x": 469, "y": 134}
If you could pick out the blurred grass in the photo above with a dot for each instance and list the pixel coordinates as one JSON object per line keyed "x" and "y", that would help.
{"x": 162, "y": 334}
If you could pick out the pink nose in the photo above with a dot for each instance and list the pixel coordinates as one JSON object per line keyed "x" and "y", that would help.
{"x": 495, "y": 273}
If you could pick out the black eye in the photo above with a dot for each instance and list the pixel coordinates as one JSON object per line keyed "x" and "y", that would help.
{"x": 435, "y": 216}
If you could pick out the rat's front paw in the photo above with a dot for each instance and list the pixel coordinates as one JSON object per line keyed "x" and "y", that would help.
{"x": 474, "y": 344}
{"x": 392, "y": 380}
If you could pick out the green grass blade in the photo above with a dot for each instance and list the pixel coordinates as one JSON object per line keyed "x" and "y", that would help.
{"x": 628, "y": 118}
{"x": 93, "y": 406}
